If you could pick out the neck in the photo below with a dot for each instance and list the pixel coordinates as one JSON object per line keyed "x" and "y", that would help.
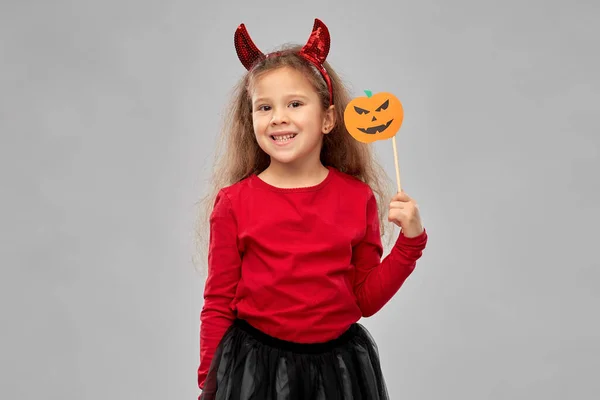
{"x": 293, "y": 176}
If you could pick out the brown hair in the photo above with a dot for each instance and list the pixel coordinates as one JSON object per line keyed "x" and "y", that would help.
{"x": 238, "y": 154}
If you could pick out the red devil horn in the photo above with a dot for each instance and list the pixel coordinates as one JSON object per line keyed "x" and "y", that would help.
{"x": 317, "y": 46}
{"x": 246, "y": 50}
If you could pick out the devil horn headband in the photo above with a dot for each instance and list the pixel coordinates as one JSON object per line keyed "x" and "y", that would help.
{"x": 314, "y": 51}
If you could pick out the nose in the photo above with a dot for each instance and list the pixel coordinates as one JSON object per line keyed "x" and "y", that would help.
{"x": 279, "y": 116}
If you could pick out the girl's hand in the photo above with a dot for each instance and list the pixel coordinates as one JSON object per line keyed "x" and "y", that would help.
{"x": 404, "y": 212}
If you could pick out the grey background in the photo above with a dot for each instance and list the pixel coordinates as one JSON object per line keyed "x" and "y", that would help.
{"x": 109, "y": 111}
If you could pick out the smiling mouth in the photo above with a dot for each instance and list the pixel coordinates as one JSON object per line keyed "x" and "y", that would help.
{"x": 376, "y": 129}
{"x": 284, "y": 138}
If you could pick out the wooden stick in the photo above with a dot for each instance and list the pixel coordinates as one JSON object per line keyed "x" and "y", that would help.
{"x": 396, "y": 161}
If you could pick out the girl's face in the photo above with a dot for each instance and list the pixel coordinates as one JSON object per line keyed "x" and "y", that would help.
{"x": 288, "y": 118}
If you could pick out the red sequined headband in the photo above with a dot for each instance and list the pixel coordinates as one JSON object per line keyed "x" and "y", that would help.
{"x": 314, "y": 51}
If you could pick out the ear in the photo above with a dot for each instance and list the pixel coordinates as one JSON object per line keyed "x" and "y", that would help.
{"x": 329, "y": 120}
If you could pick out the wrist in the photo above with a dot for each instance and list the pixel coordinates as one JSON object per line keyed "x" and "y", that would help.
{"x": 413, "y": 232}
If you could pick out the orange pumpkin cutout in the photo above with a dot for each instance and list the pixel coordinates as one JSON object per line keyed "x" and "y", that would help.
{"x": 374, "y": 117}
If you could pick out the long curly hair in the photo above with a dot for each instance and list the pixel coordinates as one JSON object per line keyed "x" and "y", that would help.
{"x": 238, "y": 154}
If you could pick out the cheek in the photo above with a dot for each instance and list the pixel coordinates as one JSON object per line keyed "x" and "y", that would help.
{"x": 313, "y": 120}
{"x": 259, "y": 123}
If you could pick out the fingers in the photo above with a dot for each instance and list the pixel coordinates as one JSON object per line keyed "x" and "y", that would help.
{"x": 400, "y": 200}
{"x": 403, "y": 216}
{"x": 399, "y": 216}
{"x": 401, "y": 196}
{"x": 397, "y": 204}
{"x": 404, "y": 212}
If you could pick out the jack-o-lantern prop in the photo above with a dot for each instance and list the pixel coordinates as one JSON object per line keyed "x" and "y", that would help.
{"x": 373, "y": 117}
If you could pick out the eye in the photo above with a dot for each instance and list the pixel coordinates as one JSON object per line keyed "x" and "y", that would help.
{"x": 263, "y": 108}
{"x": 295, "y": 104}
{"x": 384, "y": 106}
{"x": 360, "y": 111}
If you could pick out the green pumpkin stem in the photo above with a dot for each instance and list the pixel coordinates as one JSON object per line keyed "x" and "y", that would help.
{"x": 368, "y": 93}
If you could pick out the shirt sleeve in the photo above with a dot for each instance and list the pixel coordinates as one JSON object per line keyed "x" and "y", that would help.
{"x": 224, "y": 266}
{"x": 376, "y": 281}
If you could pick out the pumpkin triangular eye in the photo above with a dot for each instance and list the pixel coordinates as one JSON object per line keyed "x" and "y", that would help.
{"x": 361, "y": 111}
{"x": 384, "y": 106}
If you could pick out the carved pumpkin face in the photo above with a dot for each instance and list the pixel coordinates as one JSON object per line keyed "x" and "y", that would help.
{"x": 374, "y": 117}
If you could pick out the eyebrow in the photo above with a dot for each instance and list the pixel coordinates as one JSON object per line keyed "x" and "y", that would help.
{"x": 289, "y": 96}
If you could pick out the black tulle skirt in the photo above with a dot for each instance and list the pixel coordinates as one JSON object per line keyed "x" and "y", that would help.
{"x": 250, "y": 365}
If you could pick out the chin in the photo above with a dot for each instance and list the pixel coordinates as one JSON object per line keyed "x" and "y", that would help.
{"x": 283, "y": 160}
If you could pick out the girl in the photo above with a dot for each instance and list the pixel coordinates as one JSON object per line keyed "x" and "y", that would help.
{"x": 294, "y": 258}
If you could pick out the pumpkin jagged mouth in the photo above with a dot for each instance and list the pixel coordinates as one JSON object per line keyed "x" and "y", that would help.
{"x": 376, "y": 129}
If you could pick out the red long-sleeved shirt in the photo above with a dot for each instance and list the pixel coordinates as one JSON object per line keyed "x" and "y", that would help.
{"x": 299, "y": 264}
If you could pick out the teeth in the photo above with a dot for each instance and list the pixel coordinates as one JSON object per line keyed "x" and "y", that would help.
{"x": 283, "y": 137}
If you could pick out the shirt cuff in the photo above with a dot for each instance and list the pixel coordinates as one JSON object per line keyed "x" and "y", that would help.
{"x": 417, "y": 241}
